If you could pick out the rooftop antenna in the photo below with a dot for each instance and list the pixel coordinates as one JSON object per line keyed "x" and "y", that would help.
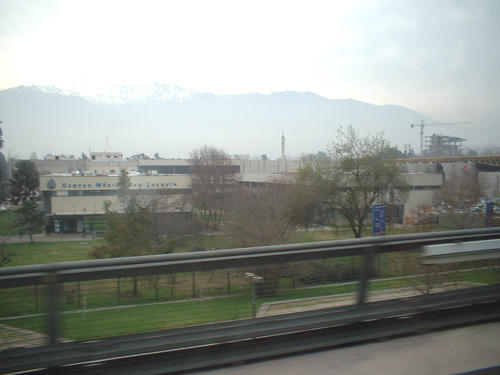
{"x": 283, "y": 145}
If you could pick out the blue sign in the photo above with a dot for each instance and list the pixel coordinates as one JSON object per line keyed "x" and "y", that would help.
{"x": 51, "y": 184}
{"x": 378, "y": 220}
{"x": 489, "y": 214}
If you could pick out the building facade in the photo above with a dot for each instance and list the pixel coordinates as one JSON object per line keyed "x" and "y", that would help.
{"x": 74, "y": 191}
{"x": 75, "y": 203}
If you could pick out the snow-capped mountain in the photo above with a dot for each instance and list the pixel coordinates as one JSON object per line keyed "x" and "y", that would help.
{"x": 119, "y": 94}
{"x": 171, "y": 121}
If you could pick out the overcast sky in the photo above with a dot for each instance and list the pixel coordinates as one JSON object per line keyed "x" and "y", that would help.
{"x": 438, "y": 57}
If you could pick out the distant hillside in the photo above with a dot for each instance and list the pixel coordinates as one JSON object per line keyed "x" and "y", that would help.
{"x": 171, "y": 121}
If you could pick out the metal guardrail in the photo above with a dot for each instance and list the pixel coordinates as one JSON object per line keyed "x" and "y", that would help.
{"x": 242, "y": 257}
{"x": 461, "y": 252}
{"x": 199, "y": 268}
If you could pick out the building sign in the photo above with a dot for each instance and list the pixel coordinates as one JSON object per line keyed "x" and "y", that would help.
{"x": 51, "y": 184}
{"x": 104, "y": 185}
{"x": 111, "y": 183}
{"x": 378, "y": 220}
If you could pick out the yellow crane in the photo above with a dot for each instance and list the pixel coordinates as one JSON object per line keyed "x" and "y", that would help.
{"x": 422, "y": 126}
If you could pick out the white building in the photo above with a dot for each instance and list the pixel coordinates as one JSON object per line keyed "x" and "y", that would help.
{"x": 74, "y": 191}
{"x": 75, "y": 202}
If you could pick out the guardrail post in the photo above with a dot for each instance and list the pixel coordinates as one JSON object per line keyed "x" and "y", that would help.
{"x": 366, "y": 268}
{"x": 52, "y": 307}
{"x": 254, "y": 279}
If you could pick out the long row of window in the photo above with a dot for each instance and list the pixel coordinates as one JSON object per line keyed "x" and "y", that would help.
{"x": 100, "y": 193}
{"x": 430, "y": 187}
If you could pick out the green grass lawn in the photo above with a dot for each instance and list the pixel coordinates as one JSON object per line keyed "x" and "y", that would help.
{"x": 7, "y": 223}
{"x": 57, "y": 251}
{"x": 119, "y": 320}
{"x": 49, "y": 252}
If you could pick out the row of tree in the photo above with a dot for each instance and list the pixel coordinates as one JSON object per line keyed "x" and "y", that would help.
{"x": 346, "y": 181}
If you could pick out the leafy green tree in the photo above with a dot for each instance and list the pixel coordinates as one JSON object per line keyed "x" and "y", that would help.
{"x": 308, "y": 201}
{"x": 4, "y": 188}
{"x": 357, "y": 173}
{"x": 128, "y": 233}
{"x": 5, "y": 255}
{"x": 29, "y": 219}
{"x": 24, "y": 183}
{"x": 4, "y": 171}
{"x": 130, "y": 229}
{"x": 304, "y": 206}
{"x": 23, "y": 189}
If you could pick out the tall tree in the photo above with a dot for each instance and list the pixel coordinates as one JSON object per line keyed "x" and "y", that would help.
{"x": 4, "y": 170}
{"x": 130, "y": 229}
{"x": 171, "y": 217}
{"x": 29, "y": 219}
{"x": 309, "y": 204}
{"x": 359, "y": 172}
{"x": 213, "y": 181}
{"x": 129, "y": 226}
{"x": 4, "y": 187}
{"x": 260, "y": 217}
{"x": 24, "y": 183}
{"x": 23, "y": 189}
{"x": 5, "y": 255}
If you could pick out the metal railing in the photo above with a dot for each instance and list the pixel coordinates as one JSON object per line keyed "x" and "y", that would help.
{"x": 202, "y": 298}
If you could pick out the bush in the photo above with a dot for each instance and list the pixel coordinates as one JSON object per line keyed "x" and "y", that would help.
{"x": 317, "y": 272}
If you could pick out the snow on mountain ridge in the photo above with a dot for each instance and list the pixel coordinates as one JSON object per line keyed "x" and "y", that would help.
{"x": 135, "y": 93}
{"x": 115, "y": 94}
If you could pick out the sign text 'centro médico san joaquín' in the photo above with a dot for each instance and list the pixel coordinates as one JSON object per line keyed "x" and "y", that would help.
{"x": 101, "y": 185}
{"x": 111, "y": 183}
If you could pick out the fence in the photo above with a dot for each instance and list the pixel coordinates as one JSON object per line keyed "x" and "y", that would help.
{"x": 104, "y": 299}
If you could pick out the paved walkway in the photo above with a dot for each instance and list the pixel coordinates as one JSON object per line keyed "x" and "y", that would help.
{"x": 455, "y": 351}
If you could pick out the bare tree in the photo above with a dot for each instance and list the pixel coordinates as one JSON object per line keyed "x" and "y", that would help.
{"x": 484, "y": 150}
{"x": 214, "y": 179}
{"x": 426, "y": 279}
{"x": 459, "y": 196}
{"x": 260, "y": 217}
{"x": 171, "y": 217}
{"x": 360, "y": 171}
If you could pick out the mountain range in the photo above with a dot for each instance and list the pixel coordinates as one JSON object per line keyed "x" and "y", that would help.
{"x": 171, "y": 121}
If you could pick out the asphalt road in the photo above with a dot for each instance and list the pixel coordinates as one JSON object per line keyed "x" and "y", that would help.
{"x": 455, "y": 351}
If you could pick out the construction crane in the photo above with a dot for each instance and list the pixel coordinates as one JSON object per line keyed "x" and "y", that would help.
{"x": 422, "y": 126}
